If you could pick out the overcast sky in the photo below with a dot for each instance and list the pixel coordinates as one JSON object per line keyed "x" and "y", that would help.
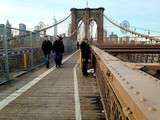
{"x": 140, "y": 13}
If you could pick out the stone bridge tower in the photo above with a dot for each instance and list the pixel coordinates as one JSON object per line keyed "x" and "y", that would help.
{"x": 87, "y": 15}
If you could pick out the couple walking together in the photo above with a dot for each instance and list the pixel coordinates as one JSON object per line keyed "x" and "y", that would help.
{"x": 57, "y": 48}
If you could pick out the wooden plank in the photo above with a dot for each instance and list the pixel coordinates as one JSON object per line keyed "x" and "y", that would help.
{"x": 51, "y": 98}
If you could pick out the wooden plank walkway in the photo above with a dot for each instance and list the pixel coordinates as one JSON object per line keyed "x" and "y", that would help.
{"x": 88, "y": 93}
{"x": 53, "y": 97}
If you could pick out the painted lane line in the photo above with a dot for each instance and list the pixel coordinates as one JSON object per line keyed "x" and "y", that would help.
{"x": 76, "y": 95}
{"x": 23, "y": 89}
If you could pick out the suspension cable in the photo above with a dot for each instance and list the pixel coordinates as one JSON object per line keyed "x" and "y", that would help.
{"x": 76, "y": 30}
{"x": 131, "y": 31}
{"x": 33, "y": 32}
{"x": 38, "y": 31}
{"x": 145, "y": 29}
{"x": 54, "y": 24}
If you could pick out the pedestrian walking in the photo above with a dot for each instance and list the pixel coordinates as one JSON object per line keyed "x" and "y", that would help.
{"x": 58, "y": 49}
{"x": 77, "y": 45}
{"x": 46, "y": 48}
{"x": 85, "y": 54}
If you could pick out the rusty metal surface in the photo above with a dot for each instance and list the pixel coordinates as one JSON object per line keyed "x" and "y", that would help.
{"x": 129, "y": 46}
{"x": 141, "y": 65}
{"x": 139, "y": 58}
{"x": 135, "y": 92}
{"x": 133, "y": 50}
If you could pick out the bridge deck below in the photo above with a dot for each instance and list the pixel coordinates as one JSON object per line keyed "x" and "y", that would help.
{"x": 53, "y": 97}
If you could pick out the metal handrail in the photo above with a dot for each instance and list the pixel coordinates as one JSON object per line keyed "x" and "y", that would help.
{"x": 126, "y": 93}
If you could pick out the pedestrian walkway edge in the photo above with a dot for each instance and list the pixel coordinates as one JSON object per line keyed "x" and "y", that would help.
{"x": 23, "y": 89}
{"x": 76, "y": 94}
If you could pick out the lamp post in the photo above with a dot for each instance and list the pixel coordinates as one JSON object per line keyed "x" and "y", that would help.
{"x": 87, "y": 4}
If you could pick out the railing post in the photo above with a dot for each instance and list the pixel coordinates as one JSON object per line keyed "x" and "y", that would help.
{"x": 31, "y": 57}
{"x": 25, "y": 59}
{"x": 6, "y": 55}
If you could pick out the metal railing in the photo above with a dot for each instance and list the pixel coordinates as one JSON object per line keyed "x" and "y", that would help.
{"x": 124, "y": 91}
{"x": 21, "y": 49}
{"x": 20, "y": 60}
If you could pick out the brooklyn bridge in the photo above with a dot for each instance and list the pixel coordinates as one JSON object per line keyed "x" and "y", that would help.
{"x": 123, "y": 82}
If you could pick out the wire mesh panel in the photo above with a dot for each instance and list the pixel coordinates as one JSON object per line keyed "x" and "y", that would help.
{"x": 20, "y": 53}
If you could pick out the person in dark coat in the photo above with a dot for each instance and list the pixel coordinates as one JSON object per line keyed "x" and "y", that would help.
{"x": 85, "y": 52}
{"x": 46, "y": 48}
{"x": 58, "y": 49}
{"x": 77, "y": 44}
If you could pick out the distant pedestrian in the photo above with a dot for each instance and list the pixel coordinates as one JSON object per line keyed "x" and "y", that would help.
{"x": 58, "y": 49}
{"x": 46, "y": 48}
{"x": 85, "y": 54}
{"x": 77, "y": 45}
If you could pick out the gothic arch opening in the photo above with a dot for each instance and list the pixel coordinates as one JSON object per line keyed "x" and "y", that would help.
{"x": 80, "y": 32}
{"x": 93, "y": 31}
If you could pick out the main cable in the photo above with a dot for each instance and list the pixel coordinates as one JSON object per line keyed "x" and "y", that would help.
{"x": 76, "y": 30}
{"x": 38, "y": 31}
{"x": 131, "y": 31}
